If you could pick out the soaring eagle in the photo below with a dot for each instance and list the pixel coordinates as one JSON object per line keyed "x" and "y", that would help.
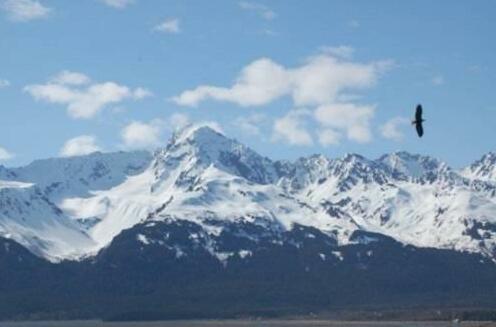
{"x": 418, "y": 121}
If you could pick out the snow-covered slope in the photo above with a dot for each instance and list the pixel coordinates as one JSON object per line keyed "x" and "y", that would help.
{"x": 414, "y": 166}
{"x": 30, "y": 199}
{"x": 30, "y": 219}
{"x": 414, "y": 199}
{"x": 206, "y": 178}
{"x": 78, "y": 176}
{"x": 483, "y": 169}
{"x": 200, "y": 176}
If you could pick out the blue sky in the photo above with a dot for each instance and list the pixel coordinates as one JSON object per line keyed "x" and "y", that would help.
{"x": 288, "y": 78}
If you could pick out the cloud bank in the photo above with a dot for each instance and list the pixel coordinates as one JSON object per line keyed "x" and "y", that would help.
{"x": 391, "y": 130}
{"x": 292, "y": 129}
{"x": 5, "y": 155}
{"x": 24, "y": 10}
{"x": 84, "y": 99}
{"x": 80, "y": 146}
{"x": 318, "y": 81}
{"x": 326, "y": 82}
{"x": 138, "y": 134}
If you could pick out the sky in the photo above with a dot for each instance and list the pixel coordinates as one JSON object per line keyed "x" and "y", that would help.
{"x": 288, "y": 78}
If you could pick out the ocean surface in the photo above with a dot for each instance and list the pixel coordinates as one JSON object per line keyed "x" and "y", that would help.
{"x": 244, "y": 323}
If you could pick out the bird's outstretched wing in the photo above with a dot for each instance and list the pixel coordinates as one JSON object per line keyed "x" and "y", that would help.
{"x": 418, "y": 113}
{"x": 420, "y": 128}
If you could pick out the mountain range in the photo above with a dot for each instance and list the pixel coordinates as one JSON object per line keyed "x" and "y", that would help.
{"x": 207, "y": 227}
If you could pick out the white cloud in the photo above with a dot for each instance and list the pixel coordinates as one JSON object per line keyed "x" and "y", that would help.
{"x": 292, "y": 129}
{"x": 141, "y": 93}
{"x": 4, "y": 83}
{"x": 171, "y": 26}
{"x": 259, "y": 83}
{"x": 324, "y": 78}
{"x": 83, "y": 101}
{"x": 119, "y": 4}
{"x": 438, "y": 80}
{"x": 342, "y": 51}
{"x": 392, "y": 129}
{"x": 80, "y": 146}
{"x": 250, "y": 124}
{"x": 328, "y": 137}
{"x": 178, "y": 121}
{"x": 70, "y": 78}
{"x": 5, "y": 155}
{"x": 354, "y": 120}
{"x": 327, "y": 81}
{"x": 24, "y": 10}
{"x": 262, "y": 10}
{"x": 321, "y": 79}
{"x": 142, "y": 135}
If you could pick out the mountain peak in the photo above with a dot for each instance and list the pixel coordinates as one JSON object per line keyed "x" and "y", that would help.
{"x": 197, "y": 133}
{"x": 205, "y": 142}
{"x": 206, "y": 177}
{"x": 483, "y": 169}
{"x": 354, "y": 157}
{"x": 411, "y": 165}
{"x": 490, "y": 156}
{"x": 201, "y": 146}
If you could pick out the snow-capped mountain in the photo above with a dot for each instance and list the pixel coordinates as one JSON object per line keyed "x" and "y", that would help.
{"x": 483, "y": 169}
{"x": 415, "y": 166}
{"x": 29, "y": 218}
{"x": 75, "y": 207}
{"x": 77, "y": 176}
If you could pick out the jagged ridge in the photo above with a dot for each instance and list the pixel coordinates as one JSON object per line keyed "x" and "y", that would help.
{"x": 206, "y": 178}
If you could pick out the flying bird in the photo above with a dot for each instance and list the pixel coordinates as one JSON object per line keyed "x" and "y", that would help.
{"x": 418, "y": 121}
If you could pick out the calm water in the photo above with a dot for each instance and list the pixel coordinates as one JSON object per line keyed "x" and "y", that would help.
{"x": 213, "y": 323}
